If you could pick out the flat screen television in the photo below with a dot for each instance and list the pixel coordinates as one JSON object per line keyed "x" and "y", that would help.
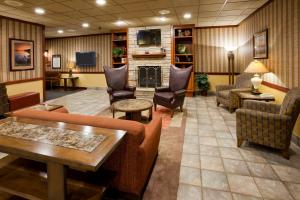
{"x": 86, "y": 59}
{"x": 151, "y": 37}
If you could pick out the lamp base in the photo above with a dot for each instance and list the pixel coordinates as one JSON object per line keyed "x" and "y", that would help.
{"x": 70, "y": 73}
{"x": 255, "y": 92}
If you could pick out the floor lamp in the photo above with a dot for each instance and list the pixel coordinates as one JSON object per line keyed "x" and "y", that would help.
{"x": 230, "y": 56}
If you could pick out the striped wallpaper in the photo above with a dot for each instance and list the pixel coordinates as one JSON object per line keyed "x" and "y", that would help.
{"x": 211, "y": 48}
{"x": 67, "y": 47}
{"x": 11, "y": 28}
{"x": 282, "y": 19}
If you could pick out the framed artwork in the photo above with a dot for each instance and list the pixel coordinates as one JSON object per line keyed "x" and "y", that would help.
{"x": 21, "y": 54}
{"x": 56, "y": 61}
{"x": 260, "y": 45}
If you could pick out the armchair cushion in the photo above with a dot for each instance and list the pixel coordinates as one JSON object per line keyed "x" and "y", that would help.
{"x": 224, "y": 94}
{"x": 179, "y": 93}
{"x": 130, "y": 88}
{"x": 261, "y": 106}
{"x": 162, "y": 89}
{"x": 123, "y": 94}
{"x": 165, "y": 96}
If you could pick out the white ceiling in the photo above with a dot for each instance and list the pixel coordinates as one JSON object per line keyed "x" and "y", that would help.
{"x": 70, "y": 14}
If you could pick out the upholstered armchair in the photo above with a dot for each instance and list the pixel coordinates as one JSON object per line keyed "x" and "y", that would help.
{"x": 226, "y": 94}
{"x": 117, "y": 84}
{"x": 269, "y": 124}
{"x": 173, "y": 95}
{"x": 52, "y": 78}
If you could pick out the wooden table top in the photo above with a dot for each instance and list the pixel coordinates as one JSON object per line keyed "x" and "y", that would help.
{"x": 70, "y": 77}
{"x": 132, "y": 105}
{"x": 248, "y": 95}
{"x": 74, "y": 158}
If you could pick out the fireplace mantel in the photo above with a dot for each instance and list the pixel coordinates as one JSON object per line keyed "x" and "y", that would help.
{"x": 149, "y": 55}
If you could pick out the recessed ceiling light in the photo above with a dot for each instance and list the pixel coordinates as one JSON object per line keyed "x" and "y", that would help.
{"x": 101, "y": 2}
{"x": 13, "y": 3}
{"x": 85, "y": 25}
{"x": 120, "y": 23}
{"x": 60, "y": 31}
{"x": 164, "y": 12}
{"x": 163, "y": 19}
{"x": 187, "y": 15}
{"x": 39, "y": 11}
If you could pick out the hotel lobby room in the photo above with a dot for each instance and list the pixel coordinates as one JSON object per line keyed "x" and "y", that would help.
{"x": 150, "y": 99}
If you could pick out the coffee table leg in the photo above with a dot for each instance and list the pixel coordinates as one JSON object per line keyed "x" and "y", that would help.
{"x": 57, "y": 188}
{"x": 65, "y": 84}
{"x": 137, "y": 116}
{"x": 150, "y": 114}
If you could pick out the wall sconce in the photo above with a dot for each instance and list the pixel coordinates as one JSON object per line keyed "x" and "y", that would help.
{"x": 230, "y": 56}
{"x": 46, "y": 53}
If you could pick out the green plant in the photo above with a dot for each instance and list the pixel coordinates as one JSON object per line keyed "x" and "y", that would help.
{"x": 202, "y": 82}
{"x": 117, "y": 51}
{"x": 181, "y": 49}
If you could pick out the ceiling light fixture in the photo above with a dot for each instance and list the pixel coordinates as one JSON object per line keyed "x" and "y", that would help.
{"x": 120, "y": 23}
{"x": 187, "y": 16}
{"x": 60, "y": 31}
{"x": 164, "y": 12}
{"x": 85, "y": 25}
{"x": 163, "y": 19}
{"x": 13, "y": 3}
{"x": 101, "y": 2}
{"x": 39, "y": 11}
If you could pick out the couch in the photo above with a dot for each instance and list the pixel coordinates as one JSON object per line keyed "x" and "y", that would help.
{"x": 267, "y": 123}
{"x": 226, "y": 94}
{"x": 132, "y": 160}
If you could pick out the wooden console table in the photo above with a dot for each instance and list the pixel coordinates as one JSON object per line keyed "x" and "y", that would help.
{"x": 57, "y": 158}
{"x": 72, "y": 79}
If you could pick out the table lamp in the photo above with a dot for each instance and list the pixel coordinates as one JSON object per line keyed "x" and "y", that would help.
{"x": 70, "y": 66}
{"x": 257, "y": 68}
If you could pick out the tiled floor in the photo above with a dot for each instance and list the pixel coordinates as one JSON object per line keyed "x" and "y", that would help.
{"x": 213, "y": 168}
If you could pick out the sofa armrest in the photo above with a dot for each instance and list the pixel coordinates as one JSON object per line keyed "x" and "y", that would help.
{"x": 224, "y": 87}
{"x": 179, "y": 93}
{"x": 261, "y": 106}
{"x": 109, "y": 90}
{"x": 130, "y": 88}
{"x": 162, "y": 89}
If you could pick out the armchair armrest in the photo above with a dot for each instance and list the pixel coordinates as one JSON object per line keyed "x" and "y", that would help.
{"x": 162, "y": 89}
{"x": 241, "y": 90}
{"x": 109, "y": 90}
{"x": 179, "y": 93}
{"x": 130, "y": 88}
{"x": 261, "y": 106}
{"x": 224, "y": 87}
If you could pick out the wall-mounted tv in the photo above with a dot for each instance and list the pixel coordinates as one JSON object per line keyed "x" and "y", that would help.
{"x": 151, "y": 37}
{"x": 86, "y": 59}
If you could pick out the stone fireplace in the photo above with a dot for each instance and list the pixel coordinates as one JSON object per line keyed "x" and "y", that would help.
{"x": 149, "y": 76}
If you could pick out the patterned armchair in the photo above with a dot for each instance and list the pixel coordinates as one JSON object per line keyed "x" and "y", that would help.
{"x": 269, "y": 124}
{"x": 226, "y": 93}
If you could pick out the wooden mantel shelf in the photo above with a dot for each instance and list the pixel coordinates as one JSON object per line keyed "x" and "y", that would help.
{"x": 150, "y": 55}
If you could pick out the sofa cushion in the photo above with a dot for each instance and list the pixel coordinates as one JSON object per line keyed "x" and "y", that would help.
{"x": 224, "y": 94}
{"x": 166, "y": 96}
{"x": 123, "y": 94}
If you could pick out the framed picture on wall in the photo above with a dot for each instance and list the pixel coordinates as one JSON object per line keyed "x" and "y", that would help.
{"x": 260, "y": 45}
{"x": 21, "y": 54}
{"x": 56, "y": 61}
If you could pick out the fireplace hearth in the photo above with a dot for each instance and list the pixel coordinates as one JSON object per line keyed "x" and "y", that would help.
{"x": 149, "y": 76}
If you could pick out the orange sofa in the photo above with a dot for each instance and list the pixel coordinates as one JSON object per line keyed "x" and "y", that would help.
{"x": 133, "y": 160}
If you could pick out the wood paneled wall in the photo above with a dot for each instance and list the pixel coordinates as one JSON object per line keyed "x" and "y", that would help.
{"x": 282, "y": 19}
{"x": 211, "y": 48}
{"x": 10, "y": 28}
{"x": 67, "y": 47}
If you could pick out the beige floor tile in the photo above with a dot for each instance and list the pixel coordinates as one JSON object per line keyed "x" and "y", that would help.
{"x": 236, "y": 167}
{"x": 190, "y": 148}
{"x": 244, "y": 197}
{"x": 252, "y": 156}
{"x": 191, "y": 131}
{"x": 190, "y": 176}
{"x": 209, "y": 194}
{"x": 272, "y": 189}
{"x": 223, "y": 134}
{"x": 211, "y": 141}
{"x": 211, "y": 163}
{"x": 214, "y": 180}
{"x": 231, "y": 153}
{"x": 220, "y": 127}
{"x": 191, "y": 139}
{"x": 209, "y": 150}
{"x": 190, "y": 160}
{"x": 205, "y": 127}
{"x": 287, "y": 174}
{"x": 243, "y": 185}
{"x": 226, "y": 143}
{"x": 207, "y": 133}
{"x": 294, "y": 190}
{"x": 262, "y": 170}
{"x": 188, "y": 192}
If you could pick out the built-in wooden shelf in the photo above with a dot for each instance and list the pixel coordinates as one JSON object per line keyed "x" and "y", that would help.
{"x": 183, "y": 54}
{"x": 183, "y": 37}
{"x": 120, "y": 40}
{"x": 184, "y": 63}
{"x": 150, "y": 55}
{"x": 117, "y": 63}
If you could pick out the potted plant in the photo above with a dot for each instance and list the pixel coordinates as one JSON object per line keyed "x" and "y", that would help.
{"x": 117, "y": 52}
{"x": 203, "y": 84}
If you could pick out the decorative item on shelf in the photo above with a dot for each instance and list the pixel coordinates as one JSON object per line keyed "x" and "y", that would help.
{"x": 257, "y": 68}
{"x": 187, "y": 32}
{"x": 70, "y": 66}
{"x": 123, "y": 60}
{"x": 147, "y": 52}
{"x": 230, "y": 56}
{"x": 181, "y": 49}
{"x": 177, "y": 59}
{"x": 118, "y": 52}
{"x": 180, "y": 33}
{"x": 203, "y": 83}
{"x": 120, "y": 37}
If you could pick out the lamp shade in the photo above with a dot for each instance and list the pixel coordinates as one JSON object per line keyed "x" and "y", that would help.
{"x": 70, "y": 65}
{"x": 256, "y": 67}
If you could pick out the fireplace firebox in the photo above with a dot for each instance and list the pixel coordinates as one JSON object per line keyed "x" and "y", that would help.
{"x": 149, "y": 76}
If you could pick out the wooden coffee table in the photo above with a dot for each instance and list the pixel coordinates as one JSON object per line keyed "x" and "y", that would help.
{"x": 133, "y": 108}
{"x": 248, "y": 96}
{"x": 81, "y": 153}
